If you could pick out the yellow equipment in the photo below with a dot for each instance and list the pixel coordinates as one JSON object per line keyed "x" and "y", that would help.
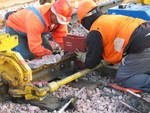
{"x": 18, "y": 76}
{"x": 144, "y": 1}
{"x": 13, "y": 68}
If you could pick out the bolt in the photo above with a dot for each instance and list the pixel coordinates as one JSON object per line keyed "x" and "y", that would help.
{"x": 62, "y": 66}
{"x": 25, "y": 79}
{"x": 72, "y": 63}
{"x": 52, "y": 70}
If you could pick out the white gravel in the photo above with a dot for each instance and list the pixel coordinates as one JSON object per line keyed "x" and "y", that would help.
{"x": 99, "y": 100}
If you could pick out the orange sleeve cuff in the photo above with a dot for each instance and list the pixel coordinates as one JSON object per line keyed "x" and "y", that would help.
{"x": 61, "y": 45}
{"x": 48, "y": 52}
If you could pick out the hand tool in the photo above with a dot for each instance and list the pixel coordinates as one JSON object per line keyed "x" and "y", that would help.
{"x": 71, "y": 100}
{"x": 133, "y": 101}
{"x": 124, "y": 89}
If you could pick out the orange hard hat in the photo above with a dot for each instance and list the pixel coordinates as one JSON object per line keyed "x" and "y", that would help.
{"x": 63, "y": 10}
{"x": 84, "y": 7}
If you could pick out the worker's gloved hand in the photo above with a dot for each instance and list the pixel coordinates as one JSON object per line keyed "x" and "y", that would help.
{"x": 81, "y": 56}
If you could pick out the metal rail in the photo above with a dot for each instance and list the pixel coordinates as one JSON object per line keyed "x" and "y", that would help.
{"x": 108, "y": 5}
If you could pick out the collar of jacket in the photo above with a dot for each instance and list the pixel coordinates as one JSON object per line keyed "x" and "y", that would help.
{"x": 88, "y": 21}
{"x": 45, "y": 8}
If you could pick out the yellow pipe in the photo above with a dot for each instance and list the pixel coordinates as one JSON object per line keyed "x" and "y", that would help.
{"x": 53, "y": 86}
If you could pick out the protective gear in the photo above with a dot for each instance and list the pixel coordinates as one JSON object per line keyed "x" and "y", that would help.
{"x": 81, "y": 56}
{"x": 33, "y": 27}
{"x": 115, "y": 43}
{"x": 63, "y": 12}
{"x": 84, "y": 7}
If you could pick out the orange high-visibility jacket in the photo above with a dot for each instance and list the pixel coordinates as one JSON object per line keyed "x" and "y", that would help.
{"x": 26, "y": 21}
{"x": 116, "y": 31}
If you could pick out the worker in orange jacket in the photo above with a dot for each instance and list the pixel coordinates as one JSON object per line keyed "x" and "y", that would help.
{"x": 117, "y": 39}
{"x": 30, "y": 24}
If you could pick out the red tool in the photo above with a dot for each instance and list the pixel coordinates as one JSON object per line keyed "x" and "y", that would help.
{"x": 124, "y": 89}
{"x": 40, "y": 84}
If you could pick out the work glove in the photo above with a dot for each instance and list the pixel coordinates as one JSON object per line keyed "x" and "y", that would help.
{"x": 81, "y": 56}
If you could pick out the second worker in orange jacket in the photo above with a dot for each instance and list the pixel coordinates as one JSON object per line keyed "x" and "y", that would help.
{"x": 119, "y": 40}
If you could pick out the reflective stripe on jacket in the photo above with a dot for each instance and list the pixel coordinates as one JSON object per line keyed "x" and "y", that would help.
{"x": 26, "y": 21}
{"x": 116, "y": 31}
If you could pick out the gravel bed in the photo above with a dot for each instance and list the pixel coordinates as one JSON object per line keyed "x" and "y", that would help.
{"x": 99, "y": 100}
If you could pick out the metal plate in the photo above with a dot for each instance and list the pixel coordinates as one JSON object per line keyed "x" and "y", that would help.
{"x": 50, "y": 103}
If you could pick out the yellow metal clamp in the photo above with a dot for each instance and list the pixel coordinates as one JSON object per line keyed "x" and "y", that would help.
{"x": 13, "y": 67}
{"x": 8, "y": 42}
{"x": 32, "y": 92}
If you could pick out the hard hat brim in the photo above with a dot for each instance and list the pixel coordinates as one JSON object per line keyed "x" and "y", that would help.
{"x": 87, "y": 15}
{"x": 61, "y": 19}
